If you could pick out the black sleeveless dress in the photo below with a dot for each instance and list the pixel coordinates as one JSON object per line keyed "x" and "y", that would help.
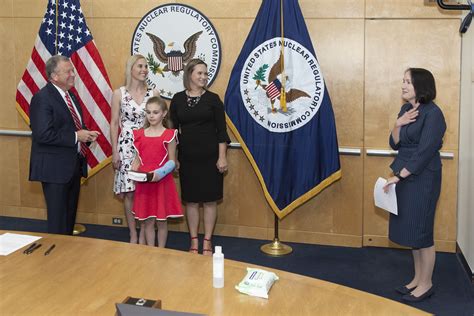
{"x": 201, "y": 127}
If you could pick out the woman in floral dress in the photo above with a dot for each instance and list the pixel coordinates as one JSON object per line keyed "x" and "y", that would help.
{"x": 128, "y": 114}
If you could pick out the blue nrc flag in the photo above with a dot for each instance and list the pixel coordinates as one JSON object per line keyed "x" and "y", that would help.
{"x": 279, "y": 109}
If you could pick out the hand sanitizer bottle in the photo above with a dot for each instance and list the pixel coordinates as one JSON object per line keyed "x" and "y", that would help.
{"x": 218, "y": 268}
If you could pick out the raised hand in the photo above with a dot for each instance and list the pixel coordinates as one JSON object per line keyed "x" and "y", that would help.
{"x": 407, "y": 117}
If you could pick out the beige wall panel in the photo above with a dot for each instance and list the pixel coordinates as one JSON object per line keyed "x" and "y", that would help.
{"x": 318, "y": 238}
{"x": 232, "y": 35}
{"x": 383, "y": 241}
{"x": 9, "y": 171}
{"x": 88, "y": 197}
{"x": 8, "y": 117}
{"x": 337, "y": 209}
{"x": 315, "y": 215}
{"x": 35, "y": 8}
{"x": 390, "y": 49}
{"x": 118, "y": 31}
{"x": 107, "y": 201}
{"x": 31, "y": 192}
{"x": 22, "y": 125}
{"x": 29, "y": 8}
{"x": 244, "y": 203}
{"x": 376, "y": 219}
{"x": 240, "y": 231}
{"x": 124, "y": 8}
{"x": 226, "y": 9}
{"x": 87, "y": 218}
{"x": 348, "y": 197}
{"x": 230, "y": 9}
{"x": 446, "y": 211}
{"x": 405, "y": 9}
{"x": 6, "y": 8}
{"x": 343, "y": 73}
{"x": 178, "y": 225}
{"x": 332, "y": 8}
{"x": 310, "y": 8}
{"x": 229, "y": 210}
{"x": 7, "y": 210}
{"x": 106, "y": 219}
{"x": 32, "y": 212}
{"x": 25, "y": 212}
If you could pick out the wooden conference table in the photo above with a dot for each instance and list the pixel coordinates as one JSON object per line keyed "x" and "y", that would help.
{"x": 84, "y": 276}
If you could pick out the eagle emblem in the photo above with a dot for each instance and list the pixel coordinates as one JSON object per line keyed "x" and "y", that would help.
{"x": 174, "y": 58}
{"x": 274, "y": 87}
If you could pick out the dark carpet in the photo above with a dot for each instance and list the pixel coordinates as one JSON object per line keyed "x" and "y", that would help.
{"x": 373, "y": 270}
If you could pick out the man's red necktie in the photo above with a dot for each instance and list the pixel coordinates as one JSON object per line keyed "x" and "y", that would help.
{"x": 77, "y": 121}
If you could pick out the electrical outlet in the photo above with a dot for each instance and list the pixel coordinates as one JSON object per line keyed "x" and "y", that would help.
{"x": 117, "y": 221}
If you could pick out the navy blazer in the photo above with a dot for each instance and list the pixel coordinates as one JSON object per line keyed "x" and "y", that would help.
{"x": 420, "y": 141}
{"x": 54, "y": 150}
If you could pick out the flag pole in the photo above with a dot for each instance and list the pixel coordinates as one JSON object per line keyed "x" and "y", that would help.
{"x": 78, "y": 228}
{"x": 276, "y": 248}
{"x": 282, "y": 62}
{"x": 56, "y": 30}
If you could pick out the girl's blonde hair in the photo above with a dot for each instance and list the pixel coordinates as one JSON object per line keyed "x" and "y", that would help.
{"x": 163, "y": 106}
{"x": 128, "y": 69}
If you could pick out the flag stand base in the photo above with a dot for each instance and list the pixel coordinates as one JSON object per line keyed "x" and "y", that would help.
{"x": 276, "y": 248}
{"x": 78, "y": 229}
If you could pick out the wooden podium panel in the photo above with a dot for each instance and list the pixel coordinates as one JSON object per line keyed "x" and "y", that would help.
{"x": 84, "y": 276}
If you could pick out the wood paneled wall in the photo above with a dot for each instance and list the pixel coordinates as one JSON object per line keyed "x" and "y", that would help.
{"x": 363, "y": 48}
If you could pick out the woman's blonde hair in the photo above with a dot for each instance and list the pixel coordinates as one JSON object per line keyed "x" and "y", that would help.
{"x": 188, "y": 70}
{"x": 163, "y": 106}
{"x": 128, "y": 69}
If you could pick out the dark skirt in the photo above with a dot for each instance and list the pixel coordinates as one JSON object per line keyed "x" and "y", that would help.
{"x": 200, "y": 181}
{"x": 417, "y": 196}
{"x": 199, "y": 178}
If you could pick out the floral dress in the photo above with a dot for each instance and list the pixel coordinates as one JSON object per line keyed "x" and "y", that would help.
{"x": 132, "y": 117}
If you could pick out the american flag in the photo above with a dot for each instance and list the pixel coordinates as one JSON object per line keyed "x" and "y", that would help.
{"x": 64, "y": 31}
{"x": 274, "y": 89}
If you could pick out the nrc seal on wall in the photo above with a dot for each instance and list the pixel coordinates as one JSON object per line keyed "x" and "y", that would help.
{"x": 169, "y": 36}
{"x": 262, "y": 79}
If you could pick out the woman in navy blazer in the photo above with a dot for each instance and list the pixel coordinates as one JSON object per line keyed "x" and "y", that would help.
{"x": 418, "y": 137}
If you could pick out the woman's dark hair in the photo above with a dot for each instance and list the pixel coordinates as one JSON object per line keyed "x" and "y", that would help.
{"x": 188, "y": 70}
{"x": 424, "y": 84}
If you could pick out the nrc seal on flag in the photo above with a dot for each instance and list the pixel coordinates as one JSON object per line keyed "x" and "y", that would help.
{"x": 281, "y": 94}
{"x": 169, "y": 36}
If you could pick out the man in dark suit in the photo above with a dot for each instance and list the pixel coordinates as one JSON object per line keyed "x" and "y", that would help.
{"x": 59, "y": 137}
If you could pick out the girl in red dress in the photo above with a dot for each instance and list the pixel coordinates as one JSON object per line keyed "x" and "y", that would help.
{"x": 155, "y": 145}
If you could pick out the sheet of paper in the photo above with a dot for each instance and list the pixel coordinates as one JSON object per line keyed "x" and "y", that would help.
{"x": 10, "y": 242}
{"x": 386, "y": 201}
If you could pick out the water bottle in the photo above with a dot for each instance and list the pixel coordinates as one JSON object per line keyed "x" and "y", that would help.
{"x": 218, "y": 268}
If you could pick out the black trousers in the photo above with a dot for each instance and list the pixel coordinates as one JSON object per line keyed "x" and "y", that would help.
{"x": 61, "y": 203}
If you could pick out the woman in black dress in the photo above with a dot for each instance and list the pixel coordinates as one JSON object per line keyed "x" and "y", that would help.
{"x": 418, "y": 137}
{"x": 199, "y": 116}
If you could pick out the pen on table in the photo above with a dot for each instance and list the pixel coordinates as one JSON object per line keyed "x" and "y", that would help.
{"x": 29, "y": 248}
{"x": 33, "y": 249}
{"x": 49, "y": 250}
